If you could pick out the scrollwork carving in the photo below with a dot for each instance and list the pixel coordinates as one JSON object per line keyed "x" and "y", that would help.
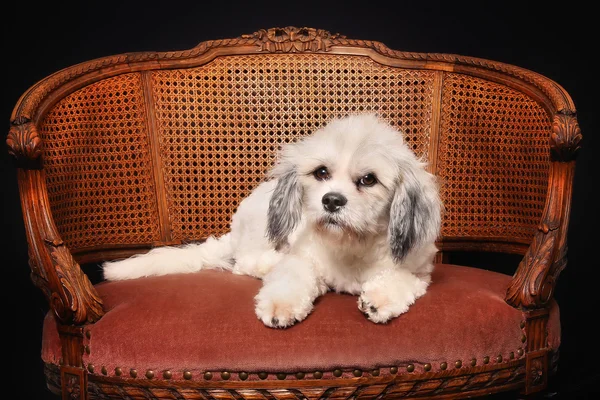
{"x": 530, "y": 287}
{"x": 77, "y": 302}
{"x": 23, "y": 142}
{"x": 534, "y": 282}
{"x": 565, "y": 137}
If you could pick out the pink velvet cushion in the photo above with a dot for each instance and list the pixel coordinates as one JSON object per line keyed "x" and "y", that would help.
{"x": 205, "y": 322}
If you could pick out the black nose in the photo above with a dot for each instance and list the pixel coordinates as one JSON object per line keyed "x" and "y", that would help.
{"x": 333, "y": 201}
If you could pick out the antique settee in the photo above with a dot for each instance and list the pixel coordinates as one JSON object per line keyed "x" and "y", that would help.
{"x": 121, "y": 154}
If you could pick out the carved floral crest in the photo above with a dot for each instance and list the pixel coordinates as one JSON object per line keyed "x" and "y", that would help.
{"x": 292, "y": 39}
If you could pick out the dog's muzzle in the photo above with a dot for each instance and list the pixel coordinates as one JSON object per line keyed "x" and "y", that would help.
{"x": 333, "y": 201}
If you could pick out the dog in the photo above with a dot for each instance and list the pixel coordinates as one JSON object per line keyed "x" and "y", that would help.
{"x": 349, "y": 208}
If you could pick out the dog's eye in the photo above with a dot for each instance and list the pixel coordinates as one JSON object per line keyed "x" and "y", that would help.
{"x": 321, "y": 174}
{"x": 367, "y": 180}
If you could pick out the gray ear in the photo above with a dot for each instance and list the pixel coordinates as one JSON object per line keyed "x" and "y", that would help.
{"x": 285, "y": 208}
{"x": 415, "y": 213}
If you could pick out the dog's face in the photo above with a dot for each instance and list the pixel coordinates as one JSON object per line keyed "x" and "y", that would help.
{"x": 346, "y": 182}
{"x": 355, "y": 176}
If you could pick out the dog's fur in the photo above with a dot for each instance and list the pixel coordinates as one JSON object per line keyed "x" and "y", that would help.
{"x": 349, "y": 208}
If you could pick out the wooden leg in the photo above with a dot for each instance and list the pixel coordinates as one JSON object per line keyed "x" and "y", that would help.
{"x": 73, "y": 376}
{"x": 537, "y": 360}
{"x": 73, "y": 381}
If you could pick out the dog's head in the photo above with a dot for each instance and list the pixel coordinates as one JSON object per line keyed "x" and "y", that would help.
{"x": 355, "y": 176}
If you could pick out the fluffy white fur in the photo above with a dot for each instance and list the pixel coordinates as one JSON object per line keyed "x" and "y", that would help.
{"x": 349, "y": 208}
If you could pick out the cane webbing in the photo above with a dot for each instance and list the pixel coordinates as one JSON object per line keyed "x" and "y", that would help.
{"x": 98, "y": 166}
{"x": 216, "y": 129}
{"x": 219, "y": 125}
{"x": 493, "y": 160}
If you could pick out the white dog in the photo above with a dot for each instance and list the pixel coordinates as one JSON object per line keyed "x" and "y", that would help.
{"x": 349, "y": 208}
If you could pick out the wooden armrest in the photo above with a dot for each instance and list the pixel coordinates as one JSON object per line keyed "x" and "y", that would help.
{"x": 533, "y": 284}
{"x": 70, "y": 294}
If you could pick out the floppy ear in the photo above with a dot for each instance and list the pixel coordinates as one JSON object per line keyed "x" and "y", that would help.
{"x": 415, "y": 213}
{"x": 285, "y": 206}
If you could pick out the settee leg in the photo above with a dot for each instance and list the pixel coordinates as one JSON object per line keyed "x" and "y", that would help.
{"x": 536, "y": 357}
{"x": 73, "y": 376}
{"x": 536, "y": 371}
{"x": 73, "y": 382}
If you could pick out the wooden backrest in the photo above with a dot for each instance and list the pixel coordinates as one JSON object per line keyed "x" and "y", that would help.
{"x": 145, "y": 149}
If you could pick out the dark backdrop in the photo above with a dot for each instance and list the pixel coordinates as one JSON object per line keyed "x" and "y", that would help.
{"x": 557, "y": 40}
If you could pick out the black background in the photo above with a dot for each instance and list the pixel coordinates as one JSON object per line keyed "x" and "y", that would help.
{"x": 558, "y": 40}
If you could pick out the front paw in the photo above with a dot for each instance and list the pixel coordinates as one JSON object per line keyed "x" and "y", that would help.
{"x": 278, "y": 308}
{"x": 378, "y": 310}
{"x": 380, "y": 304}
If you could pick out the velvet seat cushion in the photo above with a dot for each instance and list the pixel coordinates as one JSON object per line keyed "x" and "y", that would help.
{"x": 190, "y": 324}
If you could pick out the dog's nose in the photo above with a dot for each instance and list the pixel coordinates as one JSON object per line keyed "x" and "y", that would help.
{"x": 333, "y": 201}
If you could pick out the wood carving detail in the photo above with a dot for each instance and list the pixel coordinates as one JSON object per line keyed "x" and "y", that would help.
{"x": 291, "y": 39}
{"x": 533, "y": 289}
{"x": 103, "y": 388}
{"x": 77, "y": 301}
{"x": 73, "y": 380}
{"x": 536, "y": 371}
{"x": 24, "y": 142}
{"x": 72, "y": 386}
{"x": 534, "y": 281}
{"x": 565, "y": 137}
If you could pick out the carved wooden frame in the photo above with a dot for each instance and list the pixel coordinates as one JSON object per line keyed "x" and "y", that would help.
{"x": 74, "y": 300}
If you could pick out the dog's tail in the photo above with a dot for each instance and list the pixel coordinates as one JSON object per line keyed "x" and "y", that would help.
{"x": 214, "y": 253}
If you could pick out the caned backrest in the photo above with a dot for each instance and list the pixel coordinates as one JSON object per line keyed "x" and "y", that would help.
{"x": 147, "y": 149}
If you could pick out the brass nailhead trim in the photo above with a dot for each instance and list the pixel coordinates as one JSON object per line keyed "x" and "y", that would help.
{"x": 88, "y": 334}
{"x": 523, "y": 338}
{"x": 522, "y": 324}
{"x": 301, "y": 375}
{"x": 87, "y": 349}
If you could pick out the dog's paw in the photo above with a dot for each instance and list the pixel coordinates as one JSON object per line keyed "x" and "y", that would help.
{"x": 379, "y": 310}
{"x": 278, "y": 308}
{"x": 380, "y": 305}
